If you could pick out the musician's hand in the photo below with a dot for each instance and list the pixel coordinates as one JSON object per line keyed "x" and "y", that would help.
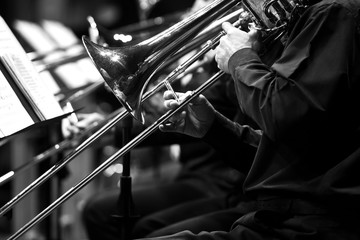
{"x": 233, "y": 41}
{"x": 71, "y": 128}
{"x": 194, "y": 120}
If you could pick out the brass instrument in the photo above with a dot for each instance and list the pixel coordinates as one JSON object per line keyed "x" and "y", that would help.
{"x": 201, "y": 39}
{"x": 128, "y": 70}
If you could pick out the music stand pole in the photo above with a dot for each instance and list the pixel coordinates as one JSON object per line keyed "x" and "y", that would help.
{"x": 125, "y": 202}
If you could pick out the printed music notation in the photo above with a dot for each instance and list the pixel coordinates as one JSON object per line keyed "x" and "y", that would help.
{"x": 14, "y": 116}
{"x": 24, "y": 74}
{"x": 24, "y": 98}
{"x": 35, "y": 91}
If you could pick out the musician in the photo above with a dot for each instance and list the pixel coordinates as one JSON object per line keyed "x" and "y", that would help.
{"x": 203, "y": 185}
{"x": 303, "y": 182}
{"x": 74, "y": 125}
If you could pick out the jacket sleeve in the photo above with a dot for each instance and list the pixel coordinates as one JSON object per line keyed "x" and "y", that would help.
{"x": 237, "y": 143}
{"x": 305, "y": 87}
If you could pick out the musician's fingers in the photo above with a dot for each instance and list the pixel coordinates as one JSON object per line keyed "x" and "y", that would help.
{"x": 171, "y": 103}
{"x": 83, "y": 124}
{"x": 170, "y": 95}
{"x": 70, "y": 131}
{"x": 177, "y": 117}
{"x": 167, "y": 127}
{"x": 254, "y": 33}
{"x": 174, "y": 122}
{"x": 66, "y": 132}
{"x": 170, "y": 126}
{"x": 227, "y": 27}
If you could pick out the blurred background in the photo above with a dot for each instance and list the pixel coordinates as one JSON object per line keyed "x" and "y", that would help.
{"x": 73, "y": 13}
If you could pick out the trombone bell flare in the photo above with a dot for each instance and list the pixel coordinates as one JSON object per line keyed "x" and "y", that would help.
{"x": 116, "y": 67}
{"x": 129, "y": 69}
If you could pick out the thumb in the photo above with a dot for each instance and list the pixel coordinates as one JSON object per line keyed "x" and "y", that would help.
{"x": 227, "y": 27}
{"x": 254, "y": 33}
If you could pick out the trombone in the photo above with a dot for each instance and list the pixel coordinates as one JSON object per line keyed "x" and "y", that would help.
{"x": 67, "y": 143}
{"x": 150, "y": 55}
{"x": 125, "y": 35}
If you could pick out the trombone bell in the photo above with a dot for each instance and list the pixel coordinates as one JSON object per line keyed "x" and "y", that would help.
{"x": 127, "y": 70}
{"x": 116, "y": 67}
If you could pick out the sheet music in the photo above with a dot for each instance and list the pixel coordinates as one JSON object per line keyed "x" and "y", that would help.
{"x": 35, "y": 36}
{"x": 83, "y": 70}
{"x": 60, "y": 42}
{"x": 89, "y": 70}
{"x": 13, "y": 115}
{"x": 69, "y": 73}
{"x": 25, "y": 75}
{"x": 62, "y": 35}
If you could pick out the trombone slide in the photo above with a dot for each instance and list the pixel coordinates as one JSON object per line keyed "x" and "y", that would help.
{"x": 121, "y": 152}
